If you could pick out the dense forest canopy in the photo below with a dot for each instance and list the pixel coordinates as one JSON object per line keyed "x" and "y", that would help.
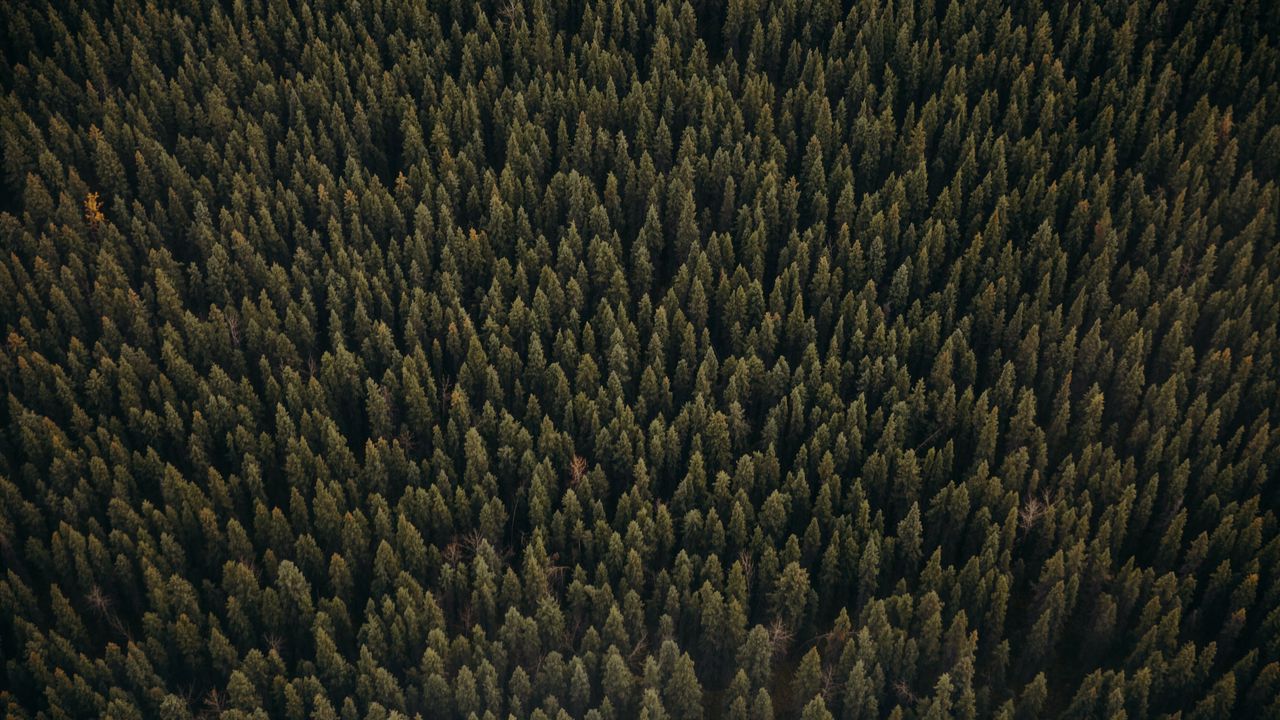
{"x": 658, "y": 359}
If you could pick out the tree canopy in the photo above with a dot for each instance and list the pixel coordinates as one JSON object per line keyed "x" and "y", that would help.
{"x": 658, "y": 359}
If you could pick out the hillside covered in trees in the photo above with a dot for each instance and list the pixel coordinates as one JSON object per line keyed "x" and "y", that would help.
{"x": 662, "y": 359}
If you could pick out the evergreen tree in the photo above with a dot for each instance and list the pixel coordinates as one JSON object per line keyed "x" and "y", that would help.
{"x": 629, "y": 359}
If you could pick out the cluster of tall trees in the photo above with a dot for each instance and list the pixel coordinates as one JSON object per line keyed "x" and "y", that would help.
{"x": 658, "y": 359}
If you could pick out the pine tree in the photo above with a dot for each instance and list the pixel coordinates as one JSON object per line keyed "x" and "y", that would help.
{"x": 614, "y": 360}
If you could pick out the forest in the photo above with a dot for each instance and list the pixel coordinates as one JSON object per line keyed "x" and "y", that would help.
{"x": 656, "y": 359}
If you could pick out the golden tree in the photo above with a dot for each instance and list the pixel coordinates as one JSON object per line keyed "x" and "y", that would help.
{"x": 93, "y": 212}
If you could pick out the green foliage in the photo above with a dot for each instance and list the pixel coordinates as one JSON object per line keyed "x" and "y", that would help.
{"x": 664, "y": 360}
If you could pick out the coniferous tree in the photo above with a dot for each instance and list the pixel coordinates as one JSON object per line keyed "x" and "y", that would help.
{"x": 663, "y": 360}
